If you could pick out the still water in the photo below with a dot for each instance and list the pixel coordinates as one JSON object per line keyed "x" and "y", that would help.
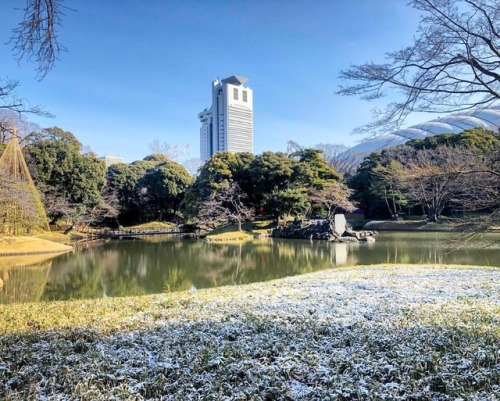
{"x": 154, "y": 265}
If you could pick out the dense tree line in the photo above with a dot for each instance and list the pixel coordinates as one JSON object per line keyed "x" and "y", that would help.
{"x": 232, "y": 186}
{"x": 76, "y": 187}
{"x": 449, "y": 173}
{"x": 70, "y": 180}
{"x": 149, "y": 189}
{"x": 444, "y": 174}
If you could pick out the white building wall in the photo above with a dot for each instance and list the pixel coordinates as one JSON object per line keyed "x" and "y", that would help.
{"x": 232, "y": 118}
{"x": 239, "y": 121}
{"x": 205, "y": 134}
{"x": 110, "y": 160}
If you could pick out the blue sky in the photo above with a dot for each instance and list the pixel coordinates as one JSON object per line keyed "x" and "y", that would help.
{"x": 136, "y": 71}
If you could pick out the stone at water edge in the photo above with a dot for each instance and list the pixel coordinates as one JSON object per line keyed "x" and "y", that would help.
{"x": 340, "y": 223}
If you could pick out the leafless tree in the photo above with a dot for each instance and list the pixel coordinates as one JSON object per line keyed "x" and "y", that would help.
{"x": 336, "y": 156}
{"x": 452, "y": 65}
{"x": 36, "y": 36}
{"x": 227, "y": 206}
{"x": 36, "y": 39}
{"x": 192, "y": 165}
{"x": 10, "y": 120}
{"x": 448, "y": 176}
{"x": 99, "y": 214}
{"x": 107, "y": 210}
{"x": 57, "y": 205}
{"x": 173, "y": 152}
{"x": 333, "y": 196}
{"x": 9, "y": 100}
{"x": 209, "y": 215}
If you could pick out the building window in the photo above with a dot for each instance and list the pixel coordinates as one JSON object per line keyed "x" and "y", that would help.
{"x": 235, "y": 93}
{"x": 245, "y": 96}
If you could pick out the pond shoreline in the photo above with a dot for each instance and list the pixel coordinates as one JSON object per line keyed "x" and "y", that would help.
{"x": 233, "y": 235}
{"x": 410, "y": 225}
{"x": 17, "y": 246}
{"x": 152, "y": 265}
{"x": 356, "y": 332}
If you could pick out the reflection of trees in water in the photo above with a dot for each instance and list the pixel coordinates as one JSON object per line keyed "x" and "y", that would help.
{"x": 141, "y": 267}
{"x": 92, "y": 273}
{"x": 75, "y": 276}
{"x": 426, "y": 248}
{"x": 23, "y": 278}
{"x": 268, "y": 260}
{"x": 176, "y": 280}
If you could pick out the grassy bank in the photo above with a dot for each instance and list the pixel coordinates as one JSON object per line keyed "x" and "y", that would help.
{"x": 377, "y": 332}
{"x": 446, "y": 224}
{"x": 154, "y": 225}
{"x": 10, "y": 246}
{"x": 249, "y": 230}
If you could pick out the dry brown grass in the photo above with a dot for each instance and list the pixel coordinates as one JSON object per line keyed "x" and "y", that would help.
{"x": 29, "y": 245}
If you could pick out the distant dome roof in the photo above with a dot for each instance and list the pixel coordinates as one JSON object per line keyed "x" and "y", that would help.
{"x": 453, "y": 124}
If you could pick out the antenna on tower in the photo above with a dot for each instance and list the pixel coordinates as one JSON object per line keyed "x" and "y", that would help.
{"x": 293, "y": 146}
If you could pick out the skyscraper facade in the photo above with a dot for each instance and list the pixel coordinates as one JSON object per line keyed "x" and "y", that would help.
{"x": 228, "y": 124}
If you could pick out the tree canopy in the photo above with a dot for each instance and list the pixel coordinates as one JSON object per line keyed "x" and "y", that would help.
{"x": 148, "y": 189}
{"x": 64, "y": 173}
{"x": 455, "y": 171}
{"x": 272, "y": 184}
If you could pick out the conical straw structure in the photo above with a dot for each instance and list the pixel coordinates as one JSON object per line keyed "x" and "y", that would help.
{"x": 21, "y": 209}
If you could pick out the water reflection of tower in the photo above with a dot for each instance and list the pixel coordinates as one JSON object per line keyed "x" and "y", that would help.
{"x": 344, "y": 254}
{"x": 340, "y": 254}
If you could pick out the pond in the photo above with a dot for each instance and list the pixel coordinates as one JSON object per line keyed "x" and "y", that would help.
{"x": 163, "y": 264}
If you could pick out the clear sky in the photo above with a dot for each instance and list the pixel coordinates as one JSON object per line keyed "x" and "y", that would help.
{"x": 136, "y": 71}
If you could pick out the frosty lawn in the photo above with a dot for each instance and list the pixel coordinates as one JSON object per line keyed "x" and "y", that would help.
{"x": 367, "y": 333}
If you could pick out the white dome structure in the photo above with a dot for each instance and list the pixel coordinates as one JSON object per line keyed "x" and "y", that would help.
{"x": 486, "y": 118}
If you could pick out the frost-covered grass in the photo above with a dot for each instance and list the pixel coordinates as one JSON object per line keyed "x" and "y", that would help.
{"x": 365, "y": 333}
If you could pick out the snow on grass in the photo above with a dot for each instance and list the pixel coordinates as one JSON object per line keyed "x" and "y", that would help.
{"x": 369, "y": 333}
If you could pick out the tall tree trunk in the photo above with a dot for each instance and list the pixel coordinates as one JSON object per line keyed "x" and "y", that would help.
{"x": 432, "y": 215}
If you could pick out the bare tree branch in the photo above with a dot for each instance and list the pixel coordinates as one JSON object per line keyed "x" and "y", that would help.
{"x": 36, "y": 36}
{"x": 446, "y": 176}
{"x": 452, "y": 65}
{"x": 336, "y": 156}
{"x": 10, "y": 120}
{"x": 9, "y": 100}
{"x": 227, "y": 206}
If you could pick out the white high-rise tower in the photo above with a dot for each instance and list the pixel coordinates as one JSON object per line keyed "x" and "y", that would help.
{"x": 228, "y": 124}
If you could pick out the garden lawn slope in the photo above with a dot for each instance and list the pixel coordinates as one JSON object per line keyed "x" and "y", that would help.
{"x": 364, "y": 333}
{"x": 30, "y": 246}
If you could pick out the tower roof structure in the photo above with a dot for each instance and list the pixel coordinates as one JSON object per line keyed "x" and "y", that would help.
{"x": 235, "y": 80}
